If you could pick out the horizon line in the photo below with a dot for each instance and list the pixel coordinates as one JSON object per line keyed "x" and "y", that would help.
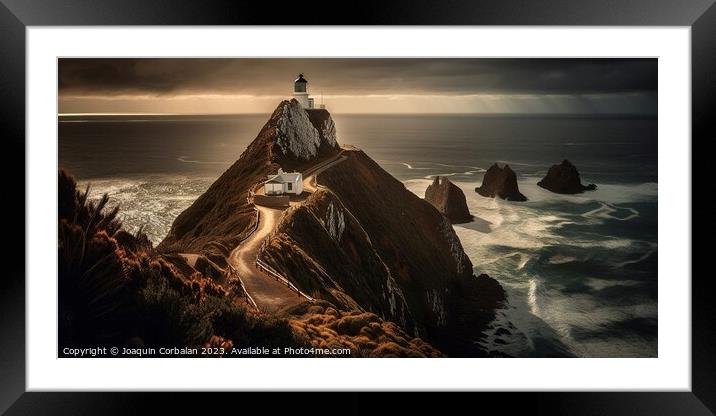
{"x": 365, "y": 113}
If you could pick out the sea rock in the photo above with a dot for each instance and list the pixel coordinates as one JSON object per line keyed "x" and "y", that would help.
{"x": 447, "y": 198}
{"x": 564, "y": 179}
{"x": 501, "y": 182}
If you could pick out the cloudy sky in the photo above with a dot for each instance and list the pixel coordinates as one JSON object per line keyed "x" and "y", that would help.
{"x": 200, "y": 86}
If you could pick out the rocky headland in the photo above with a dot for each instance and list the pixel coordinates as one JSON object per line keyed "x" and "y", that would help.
{"x": 361, "y": 241}
{"x": 381, "y": 271}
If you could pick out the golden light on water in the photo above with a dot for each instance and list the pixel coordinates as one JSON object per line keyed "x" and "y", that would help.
{"x": 350, "y": 103}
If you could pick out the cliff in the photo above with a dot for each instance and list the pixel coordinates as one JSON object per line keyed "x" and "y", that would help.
{"x": 326, "y": 252}
{"x": 500, "y": 182}
{"x": 364, "y": 242}
{"x": 564, "y": 179}
{"x": 449, "y": 200}
{"x": 291, "y": 139}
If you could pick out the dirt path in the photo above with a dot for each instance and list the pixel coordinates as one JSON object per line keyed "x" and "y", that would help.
{"x": 270, "y": 294}
{"x": 310, "y": 181}
{"x": 190, "y": 258}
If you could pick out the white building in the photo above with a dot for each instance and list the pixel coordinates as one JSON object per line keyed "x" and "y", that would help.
{"x": 300, "y": 93}
{"x": 284, "y": 183}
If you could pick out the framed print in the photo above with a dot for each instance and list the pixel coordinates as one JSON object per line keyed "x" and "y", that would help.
{"x": 472, "y": 198}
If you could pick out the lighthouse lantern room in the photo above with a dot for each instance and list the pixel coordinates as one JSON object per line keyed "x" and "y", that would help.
{"x": 300, "y": 92}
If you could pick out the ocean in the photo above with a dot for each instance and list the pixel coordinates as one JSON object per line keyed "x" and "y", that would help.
{"x": 580, "y": 271}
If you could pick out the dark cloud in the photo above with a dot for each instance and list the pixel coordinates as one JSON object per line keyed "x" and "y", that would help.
{"x": 364, "y": 76}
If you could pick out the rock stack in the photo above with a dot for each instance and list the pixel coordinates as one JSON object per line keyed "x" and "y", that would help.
{"x": 447, "y": 198}
{"x": 564, "y": 179}
{"x": 500, "y": 182}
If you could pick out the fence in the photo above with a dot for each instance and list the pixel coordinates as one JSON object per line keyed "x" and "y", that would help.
{"x": 276, "y": 275}
{"x": 249, "y": 299}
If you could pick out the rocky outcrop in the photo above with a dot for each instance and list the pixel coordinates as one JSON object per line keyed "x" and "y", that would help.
{"x": 323, "y": 122}
{"x": 564, "y": 179}
{"x": 303, "y": 134}
{"x": 295, "y": 135}
{"x": 449, "y": 200}
{"x": 500, "y": 182}
{"x": 293, "y": 139}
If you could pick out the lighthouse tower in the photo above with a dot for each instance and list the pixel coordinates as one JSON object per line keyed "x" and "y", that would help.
{"x": 300, "y": 92}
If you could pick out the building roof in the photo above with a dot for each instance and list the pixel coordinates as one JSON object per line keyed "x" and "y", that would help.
{"x": 275, "y": 179}
{"x": 300, "y": 78}
{"x": 284, "y": 177}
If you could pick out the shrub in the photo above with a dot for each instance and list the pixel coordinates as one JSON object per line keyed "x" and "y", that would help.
{"x": 93, "y": 296}
{"x": 170, "y": 319}
{"x": 247, "y": 329}
{"x": 92, "y": 283}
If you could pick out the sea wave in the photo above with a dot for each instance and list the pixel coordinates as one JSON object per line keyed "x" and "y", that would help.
{"x": 150, "y": 203}
{"x": 185, "y": 159}
{"x": 541, "y": 248}
{"x": 606, "y": 210}
{"x": 409, "y": 166}
{"x": 472, "y": 168}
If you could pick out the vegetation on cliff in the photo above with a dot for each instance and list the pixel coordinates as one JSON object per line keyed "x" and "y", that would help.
{"x": 115, "y": 289}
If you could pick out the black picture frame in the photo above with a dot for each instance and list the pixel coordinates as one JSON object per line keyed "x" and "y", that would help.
{"x": 16, "y": 15}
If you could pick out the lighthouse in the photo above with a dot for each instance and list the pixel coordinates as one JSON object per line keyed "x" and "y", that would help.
{"x": 300, "y": 92}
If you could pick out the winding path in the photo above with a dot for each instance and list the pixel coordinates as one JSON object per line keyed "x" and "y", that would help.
{"x": 269, "y": 293}
{"x": 310, "y": 175}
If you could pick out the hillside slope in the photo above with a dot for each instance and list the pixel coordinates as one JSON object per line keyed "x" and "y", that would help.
{"x": 365, "y": 241}
{"x": 221, "y": 216}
